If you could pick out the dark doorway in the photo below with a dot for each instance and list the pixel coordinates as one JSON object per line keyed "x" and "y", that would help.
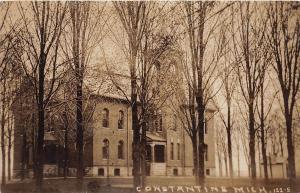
{"x": 159, "y": 153}
{"x": 50, "y": 155}
{"x": 100, "y": 172}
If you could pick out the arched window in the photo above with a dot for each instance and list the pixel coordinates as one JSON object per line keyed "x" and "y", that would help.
{"x": 105, "y": 118}
{"x": 158, "y": 121}
{"x": 121, "y": 120}
{"x": 174, "y": 122}
{"x": 121, "y": 150}
{"x": 178, "y": 151}
{"x": 172, "y": 151}
{"x": 105, "y": 149}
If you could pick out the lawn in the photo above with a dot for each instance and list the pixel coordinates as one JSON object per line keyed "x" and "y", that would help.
{"x": 156, "y": 185}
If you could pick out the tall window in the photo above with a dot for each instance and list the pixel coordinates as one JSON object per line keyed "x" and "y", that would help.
{"x": 205, "y": 152}
{"x": 121, "y": 120}
{"x": 105, "y": 118}
{"x": 121, "y": 150}
{"x": 174, "y": 122}
{"x": 158, "y": 122}
{"x": 178, "y": 151}
{"x": 105, "y": 149}
{"x": 172, "y": 151}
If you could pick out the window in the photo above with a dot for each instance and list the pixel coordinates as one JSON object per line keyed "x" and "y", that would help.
{"x": 174, "y": 122}
{"x": 178, "y": 151}
{"x": 172, "y": 151}
{"x": 105, "y": 118}
{"x": 175, "y": 172}
{"x": 100, "y": 172}
{"x": 158, "y": 122}
{"x": 207, "y": 172}
{"x": 105, "y": 149}
{"x": 205, "y": 152}
{"x": 205, "y": 126}
{"x": 121, "y": 120}
{"x": 117, "y": 172}
{"x": 121, "y": 150}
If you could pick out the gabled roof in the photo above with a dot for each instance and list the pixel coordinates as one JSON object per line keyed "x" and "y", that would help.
{"x": 152, "y": 137}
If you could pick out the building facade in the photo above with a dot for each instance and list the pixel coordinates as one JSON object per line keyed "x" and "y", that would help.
{"x": 168, "y": 150}
{"x": 108, "y": 151}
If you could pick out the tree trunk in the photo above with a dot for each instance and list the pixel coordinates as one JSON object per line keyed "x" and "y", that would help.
{"x": 78, "y": 61}
{"x": 66, "y": 149}
{"x": 290, "y": 147}
{"x": 252, "y": 141}
{"x": 136, "y": 134}
{"x": 228, "y": 129}
{"x": 41, "y": 124}
{"x": 259, "y": 157}
{"x": 226, "y": 164}
{"x": 270, "y": 161}
{"x": 9, "y": 126}
{"x": 200, "y": 94}
{"x": 33, "y": 138}
{"x": 262, "y": 135}
{"x": 79, "y": 141}
{"x": 23, "y": 154}
{"x": 195, "y": 156}
{"x": 201, "y": 160}
{"x": 249, "y": 169}
{"x": 3, "y": 134}
{"x": 143, "y": 154}
{"x": 220, "y": 164}
{"x": 238, "y": 160}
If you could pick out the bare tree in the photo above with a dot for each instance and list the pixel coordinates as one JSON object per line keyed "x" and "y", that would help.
{"x": 284, "y": 38}
{"x": 86, "y": 32}
{"x": 263, "y": 111}
{"x": 201, "y": 70}
{"x": 40, "y": 33}
{"x": 134, "y": 17}
{"x": 249, "y": 52}
{"x": 139, "y": 21}
{"x": 154, "y": 70}
{"x": 229, "y": 84}
{"x": 3, "y": 120}
{"x": 4, "y": 49}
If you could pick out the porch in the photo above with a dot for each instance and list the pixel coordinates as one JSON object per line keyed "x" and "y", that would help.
{"x": 156, "y": 155}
